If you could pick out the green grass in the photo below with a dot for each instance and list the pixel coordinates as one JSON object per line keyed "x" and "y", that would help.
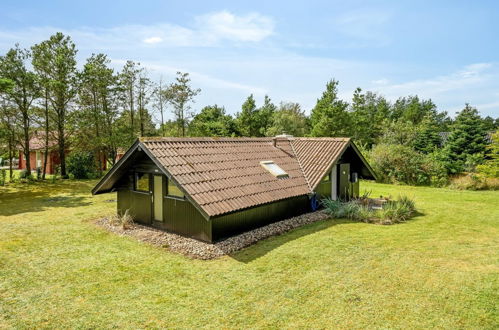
{"x": 440, "y": 269}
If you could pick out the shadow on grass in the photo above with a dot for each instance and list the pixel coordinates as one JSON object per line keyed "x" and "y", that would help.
{"x": 35, "y": 197}
{"x": 265, "y": 246}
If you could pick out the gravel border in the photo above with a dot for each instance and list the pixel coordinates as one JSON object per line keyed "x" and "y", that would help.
{"x": 201, "y": 250}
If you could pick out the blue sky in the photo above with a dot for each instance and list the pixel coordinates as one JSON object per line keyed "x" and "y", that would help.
{"x": 444, "y": 50}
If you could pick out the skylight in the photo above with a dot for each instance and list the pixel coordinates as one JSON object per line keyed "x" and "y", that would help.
{"x": 274, "y": 169}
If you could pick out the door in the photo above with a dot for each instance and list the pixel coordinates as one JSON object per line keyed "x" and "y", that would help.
{"x": 334, "y": 183}
{"x": 158, "y": 198}
{"x": 344, "y": 181}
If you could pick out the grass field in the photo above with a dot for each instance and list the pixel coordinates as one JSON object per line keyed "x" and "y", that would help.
{"x": 441, "y": 269}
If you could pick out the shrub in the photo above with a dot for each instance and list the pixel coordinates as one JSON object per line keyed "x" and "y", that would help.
{"x": 125, "y": 220}
{"x": 81, "y": 165}
{"x": 474, "y": 181}
{"x": 396, "y": 163}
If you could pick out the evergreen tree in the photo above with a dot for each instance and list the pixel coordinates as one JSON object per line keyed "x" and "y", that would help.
{"x": 21, "y": 88}
{"x": 247, "y": 119}
{"x": 56, "y": 57}
{"x": 329, "y": 117}
{"x": 264, "y": 116}
{"x": 466, "y": 138}
{"x": 427, "y": 136}
{"x": 368, "y": 112}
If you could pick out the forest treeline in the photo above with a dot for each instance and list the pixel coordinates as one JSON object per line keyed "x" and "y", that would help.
{"x": 96, "y": 109}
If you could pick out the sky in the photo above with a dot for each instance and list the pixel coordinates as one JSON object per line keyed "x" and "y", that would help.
{"x": 447, "y": 51}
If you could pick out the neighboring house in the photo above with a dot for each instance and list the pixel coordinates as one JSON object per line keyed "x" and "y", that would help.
{"x": 212, "y": 188}
{"x": 37, "y": 154}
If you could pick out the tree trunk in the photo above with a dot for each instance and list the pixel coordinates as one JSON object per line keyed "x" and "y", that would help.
{"x": 46, "y": 134}
{"x": 11, "y": 157}
{"x": 26, "y": 143}
{"x": 62, "y": 147}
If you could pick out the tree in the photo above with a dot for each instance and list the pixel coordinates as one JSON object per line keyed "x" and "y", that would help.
{"x": 368, "y": 112}
{"x": 8, "y": 131}
{"x": 160, "y": 103}
{"x": 329, "y": 117}
{"x": 143, "y": 97}
{"x": 289, "y": 118}
{"x": 427, "y": 138}
{"x": 22, "y": 90}
{"x": 56, "y": 59}
{"x": 128, "y": 80}
{"x": 491, "y": 166}
{"x": 97, "y": 108}
{"x": 466, "y": 138}
{"x": 489, "y": 123}
{"x": 180, "y": 94}
{"x": 247, "y": 121}
{"x": 264, "y": 116}
{"x": 212, "y": 121}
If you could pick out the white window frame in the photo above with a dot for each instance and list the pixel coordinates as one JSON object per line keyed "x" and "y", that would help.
{"x": 274, "y": 169}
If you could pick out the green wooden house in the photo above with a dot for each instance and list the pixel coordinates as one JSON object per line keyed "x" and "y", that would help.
{"x": 212, "y": 188}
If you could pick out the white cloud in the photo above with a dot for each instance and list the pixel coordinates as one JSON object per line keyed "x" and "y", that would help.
{"x": 153, "y": 40}
{"x": 204, "y": 31}
{"x": 225, "y": 25}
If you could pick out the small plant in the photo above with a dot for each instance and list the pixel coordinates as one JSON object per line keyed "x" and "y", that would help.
{"x": 407, "y": 202}
{"x": 394, "y": 212}
{"x": 125, "y": 220}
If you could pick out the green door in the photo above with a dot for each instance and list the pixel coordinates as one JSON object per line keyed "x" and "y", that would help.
{"x": 344, "y": 192}
{"x": 158, "y": 198}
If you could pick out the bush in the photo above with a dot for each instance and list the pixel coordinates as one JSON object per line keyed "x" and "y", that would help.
{"x": 81, "y": 165}
{"x": 394, "y": 163}
{"x": 474, "y": 181}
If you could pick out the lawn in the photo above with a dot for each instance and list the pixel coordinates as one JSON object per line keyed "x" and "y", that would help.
{"x": 441, "y": 269}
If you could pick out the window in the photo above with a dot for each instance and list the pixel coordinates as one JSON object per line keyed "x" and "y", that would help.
{"x": 173, "y": 190}
{"x": 274, "y": 169}
{"x": 327, "y": 178}
{"x": 142, "y": 181}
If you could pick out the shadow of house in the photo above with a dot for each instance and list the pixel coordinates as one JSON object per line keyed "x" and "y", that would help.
{"x": 265, "y": 246}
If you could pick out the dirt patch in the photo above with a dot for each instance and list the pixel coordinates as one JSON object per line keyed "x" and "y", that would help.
{"x": 200, "y": 250}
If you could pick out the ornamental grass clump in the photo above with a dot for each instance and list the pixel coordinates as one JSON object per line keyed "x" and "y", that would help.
{"x": 392, "y": 211}
{"x": 125, "y": 220}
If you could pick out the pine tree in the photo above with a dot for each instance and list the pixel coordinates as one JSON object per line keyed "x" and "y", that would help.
{"x": 467, "y": 138}
{"x": 329, "y": 116}
{"x": 427, "y": 137}
{"x": 247, "y": 119}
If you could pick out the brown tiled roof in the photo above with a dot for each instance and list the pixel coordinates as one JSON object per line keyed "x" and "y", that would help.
{"x": 224, "y": 174}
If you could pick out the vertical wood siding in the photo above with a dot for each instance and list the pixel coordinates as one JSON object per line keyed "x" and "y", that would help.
{"x": 238, "y": 222}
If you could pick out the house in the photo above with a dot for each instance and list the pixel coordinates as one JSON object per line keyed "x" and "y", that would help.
{"x": 37, "y": 154}
{"x": 212, "y": 188}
